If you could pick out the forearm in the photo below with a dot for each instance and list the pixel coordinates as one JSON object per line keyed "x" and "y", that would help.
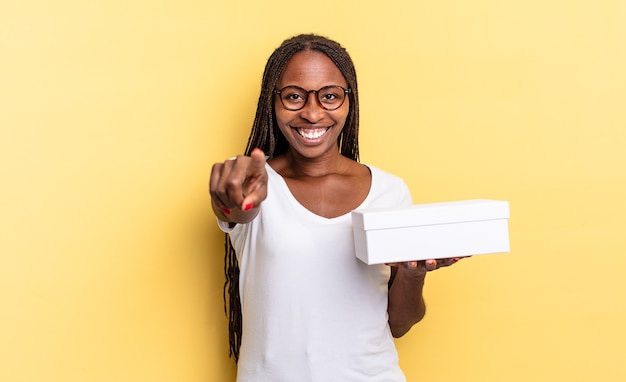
{"x": 406, "y": 305}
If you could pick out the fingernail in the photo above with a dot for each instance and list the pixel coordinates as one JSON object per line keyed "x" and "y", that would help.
{"x": 248, "y": 207}
{"x": 431, "y": 263}
{"x": 413, "y": 264}
{"x": 226, "y": 211}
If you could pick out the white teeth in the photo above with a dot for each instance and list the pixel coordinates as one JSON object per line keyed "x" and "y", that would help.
{"x": 311, "y": 134}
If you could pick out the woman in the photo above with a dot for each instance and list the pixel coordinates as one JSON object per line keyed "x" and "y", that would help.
{"x": 309, "y": 310}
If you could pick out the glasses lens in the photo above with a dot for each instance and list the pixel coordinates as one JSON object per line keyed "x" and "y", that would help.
{"x": 293, "y": 97}
{"x": 331, "y": 97}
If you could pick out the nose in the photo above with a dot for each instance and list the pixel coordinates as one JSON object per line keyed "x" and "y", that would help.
{"x": 312, "y": 110}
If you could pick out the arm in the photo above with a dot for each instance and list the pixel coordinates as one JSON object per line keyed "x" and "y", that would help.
{"x": 406, "y": 306}
{"x": 238, "y": 187}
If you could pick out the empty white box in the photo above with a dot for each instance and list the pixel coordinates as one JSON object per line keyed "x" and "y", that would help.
{"x": 431, "y": 231}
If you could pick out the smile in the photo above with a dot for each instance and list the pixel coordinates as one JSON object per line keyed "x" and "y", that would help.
{"x": 312, "y": 133}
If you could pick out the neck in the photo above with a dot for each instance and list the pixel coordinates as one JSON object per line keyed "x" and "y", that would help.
{"x": 294, "y": 165}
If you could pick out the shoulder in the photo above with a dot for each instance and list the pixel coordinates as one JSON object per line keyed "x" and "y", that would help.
{"x": 385, "y": 177}
{"x": 390, "y": 187}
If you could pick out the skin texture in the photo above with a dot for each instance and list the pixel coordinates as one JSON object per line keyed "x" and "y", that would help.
{"x": 320, "y": 178}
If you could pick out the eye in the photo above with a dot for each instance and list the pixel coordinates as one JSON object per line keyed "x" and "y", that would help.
{"x": 293, "y": 97}
{"x": 331, "y": 95}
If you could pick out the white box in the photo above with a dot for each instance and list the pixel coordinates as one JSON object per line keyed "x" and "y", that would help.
{"x": 431, "y": 231}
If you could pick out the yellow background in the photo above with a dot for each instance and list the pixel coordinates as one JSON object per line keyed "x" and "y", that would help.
{"x": 112, "y": 112}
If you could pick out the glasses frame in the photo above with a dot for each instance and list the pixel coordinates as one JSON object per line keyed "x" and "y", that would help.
{"x": 317, "y": 92}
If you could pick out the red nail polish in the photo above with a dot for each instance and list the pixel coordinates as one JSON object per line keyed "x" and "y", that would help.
{"x": 248, "y": 207}
{"x": 226, "y": 211}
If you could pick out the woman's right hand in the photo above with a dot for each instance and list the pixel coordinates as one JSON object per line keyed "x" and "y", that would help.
{"x": 238, "y": 187}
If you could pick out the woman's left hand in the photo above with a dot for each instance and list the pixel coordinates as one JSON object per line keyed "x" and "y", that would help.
{"x": 418, "y": 269}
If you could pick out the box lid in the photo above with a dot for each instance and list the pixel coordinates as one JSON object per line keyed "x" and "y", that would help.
{"x": 430, "y": 213}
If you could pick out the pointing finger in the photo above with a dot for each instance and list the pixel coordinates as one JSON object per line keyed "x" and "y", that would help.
{"x": 258, "y": 161}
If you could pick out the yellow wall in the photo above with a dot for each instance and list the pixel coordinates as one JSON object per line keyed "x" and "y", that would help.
{"x": 111, "y": 113}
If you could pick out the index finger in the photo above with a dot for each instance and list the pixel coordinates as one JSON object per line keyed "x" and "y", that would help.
{"x": 257, "y": 164}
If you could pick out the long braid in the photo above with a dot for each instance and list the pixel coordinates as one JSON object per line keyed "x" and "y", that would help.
{"x": 266, "y": 135}
{"x": 233, "y": 307}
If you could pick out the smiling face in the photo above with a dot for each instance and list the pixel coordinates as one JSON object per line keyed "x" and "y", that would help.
{"x": 312, "y": 131}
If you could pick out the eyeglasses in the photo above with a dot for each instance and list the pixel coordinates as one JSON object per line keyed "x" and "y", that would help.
{"x": 330, "y": 97}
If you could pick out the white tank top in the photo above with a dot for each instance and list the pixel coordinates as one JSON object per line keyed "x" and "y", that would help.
{"x": 311, "y": 310}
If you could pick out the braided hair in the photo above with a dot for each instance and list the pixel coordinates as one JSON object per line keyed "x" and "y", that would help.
{"x": 266, "y": 135}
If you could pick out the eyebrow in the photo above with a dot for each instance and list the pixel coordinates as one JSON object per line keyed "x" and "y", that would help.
{"x": 297, "y": 86}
